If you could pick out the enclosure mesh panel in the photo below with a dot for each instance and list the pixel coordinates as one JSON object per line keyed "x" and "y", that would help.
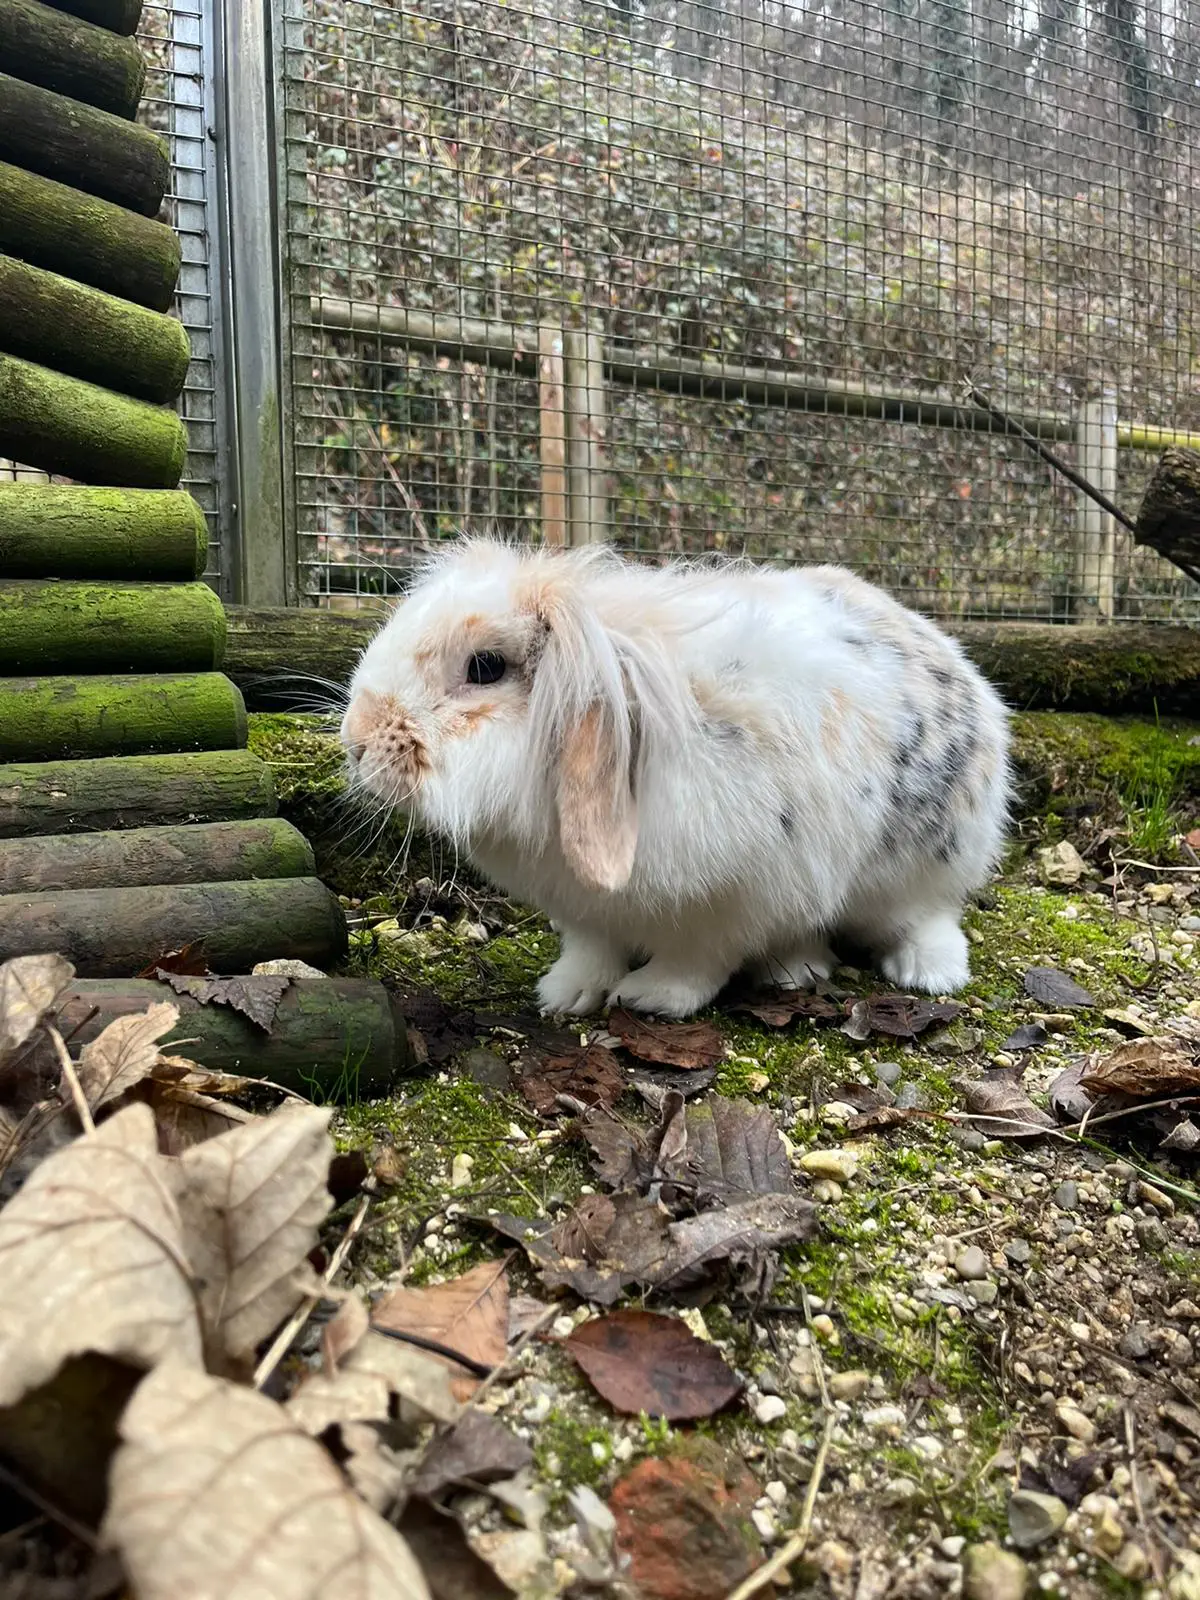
{"x": 880, "y": 200}
{"x": 172, "y": 37}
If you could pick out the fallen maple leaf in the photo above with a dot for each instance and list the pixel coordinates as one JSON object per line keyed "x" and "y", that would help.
{"x": 215, "y": 1494}
{"x": 1000, "y": 1106}
{"x": 92, "y": 1257}
{"x": 592, "y": 1076}
{"x": 687, "y": 1045}
{"x": 639, "y": 1361}
{"x": 1147, "y": 1069}
{"x": 256, "y": 997}
{"x": 469, "y": 1315}
{"x": 29, "y": 986}
{"x": 1049, "y": 987}
{"x": 251, "y": 1201}
{"x": 124, "y": 1054}
{"x": 628, "y": 1158}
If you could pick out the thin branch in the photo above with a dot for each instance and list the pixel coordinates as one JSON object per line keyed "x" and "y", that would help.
{"x": 71, "y": 1079}
{"x": 794, "y": 1548}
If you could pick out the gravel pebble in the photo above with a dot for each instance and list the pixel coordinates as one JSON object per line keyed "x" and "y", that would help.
{"x": 1034, "y": 1518}
{"x": 990, "y": 1573}
{"x": 770, "y": 1409}
{"x": 983, "y": 1293}
{"x": 1074, "y": 1421}
{"x": 850, "y": 1385}
{"x": 971, "y": 1263}
{"x": 1135, "y": 1341}
{"x": 840, "y": 1165}
{"x": 1019, "y": 1252}
{"x": 1066, "y": 1196}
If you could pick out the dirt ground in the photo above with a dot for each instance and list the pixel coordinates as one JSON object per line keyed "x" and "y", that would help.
{"x": 986, "y": 1357}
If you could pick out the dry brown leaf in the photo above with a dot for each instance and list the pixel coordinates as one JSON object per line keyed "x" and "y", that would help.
{"x": 186, "y": 1117}
{"x": 29, "y": 986}
{"x": 1000, "y": 1106}
{"x": 344, "y": 1330}
{"x": 251, "y": 1201}
{"x": 690, "y": 1046}
{"x": 376, "y": 1369}
{"x": 469, "y": 1314}
{"x": 124, "y": 1054}
{"x": 1145, "y": 1068}
{"x": 92, "y": 1257}
{"x": 640, "y": 1361}
{"x": 255, "y": 998}
{"x": 215, "y": 1494}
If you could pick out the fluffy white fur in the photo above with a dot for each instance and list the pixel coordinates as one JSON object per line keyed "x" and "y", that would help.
{"x": 700, "y": 768}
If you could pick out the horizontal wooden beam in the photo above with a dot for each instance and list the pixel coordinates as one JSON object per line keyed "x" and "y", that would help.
{"x": 274, "y": 656}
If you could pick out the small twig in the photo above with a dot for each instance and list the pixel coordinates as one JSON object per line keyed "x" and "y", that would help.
{"x": 48, "y": 1508}
{"x": 1138, "y": 1508}
{"x": 794, "y": 1547}
{"x": 71, "y": 1079}
{"x": 526, "y": 1339}
{"x": 815, "y": 1343}
{"x": 305, "y": 1309}
{"x": 480, "y": 1369}
{"x": 1011, "y": 425}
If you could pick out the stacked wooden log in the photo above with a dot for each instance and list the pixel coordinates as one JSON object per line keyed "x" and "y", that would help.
{"x": 132, "y": 818}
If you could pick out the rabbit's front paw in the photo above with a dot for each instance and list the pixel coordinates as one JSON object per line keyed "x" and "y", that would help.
{"x": 931, "y": 955}
{"x": 579, "y": 981}
{"x": 664, "y": 991}
{"x": 800, "y": 967}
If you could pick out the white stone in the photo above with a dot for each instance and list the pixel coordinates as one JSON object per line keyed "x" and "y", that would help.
{"x": 460, "y": 1171}
{"x": 770, "y": 1408}
{"x": 840, "y": 1165}
{"x": 885, "y": 1417}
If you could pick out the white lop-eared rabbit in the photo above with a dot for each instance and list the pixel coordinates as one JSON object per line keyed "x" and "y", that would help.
{"x": 700, "y": 768}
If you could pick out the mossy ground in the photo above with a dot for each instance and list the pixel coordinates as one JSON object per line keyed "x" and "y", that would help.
{"x": 882, "y": 1266}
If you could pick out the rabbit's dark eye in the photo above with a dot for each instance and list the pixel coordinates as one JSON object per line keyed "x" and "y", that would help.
{"x": 489, "y": 666}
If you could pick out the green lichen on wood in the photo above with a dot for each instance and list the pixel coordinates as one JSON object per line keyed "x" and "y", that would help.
{"x": 1065, "y": 759}
{"x": 78, "y": 430}
{"x": 56, "y": 625}
{"x": 52, "y": 530}
{"x": 94, "y": 241}
{"x": 63, "y": 52}
{"x": 61, "y": 138}
{"x": 204, "y": 852}
{"x": 56, "y": 718}
{"x": 89, "y": 334}
{"x": 40, "y": 797}
{"x": 112, "y": 932}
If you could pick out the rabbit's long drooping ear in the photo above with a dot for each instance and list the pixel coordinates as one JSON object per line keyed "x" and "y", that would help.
{"x": 597, "y": 810}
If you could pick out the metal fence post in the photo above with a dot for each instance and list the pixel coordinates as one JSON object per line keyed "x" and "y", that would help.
{"x": 553, "y": 436}
{"x": 263, "y": 569}
{"x": 1093, "y": 596}
{"x": 585, "y": 403}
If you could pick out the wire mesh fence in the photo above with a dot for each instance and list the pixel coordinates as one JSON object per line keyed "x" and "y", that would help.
{"x": 697, "y": 277}
{"x": 176, "y": 40}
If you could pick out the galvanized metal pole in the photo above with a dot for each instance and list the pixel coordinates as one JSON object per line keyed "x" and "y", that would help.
{"x": 263, "y": 570}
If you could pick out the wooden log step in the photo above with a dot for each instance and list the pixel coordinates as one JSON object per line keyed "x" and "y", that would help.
{"x": 198, "y": 852}
{"x": 75, "y": 718}
{"x": 89, "y": 334}
{"x": 52, "y": 530}
{"x": 79, "y": 430}
{"x": 118, "y": 16}
{"x": 91, "y": 150}
{"x": 110, "y": 933}
{"x": 93, "y": 241}
{"x": 39, "y": 797}
{"x": 57, "y": 625}
{"x": 57, "y": 50}
{"x": 1035, "y": 665}
{"x": 344, "y": 1036}
{"x": 1169, "y": 517}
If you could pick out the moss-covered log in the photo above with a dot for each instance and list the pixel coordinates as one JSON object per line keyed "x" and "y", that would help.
{"x": 118, "y": 16}
{"x": 344, "y": 1036}
{"x": 197, "y": 852}
{"x": 278, "y": 654}
{"x": 1126, "y": 667}
{"x": 60, "y": 51}
{"x": 51, "y": 530}
{"x": 91, "y": 150}
{"x": 94, "y": 241}
{"x": 56, "y": 625}
{"x": 110, "y": 933}
{"x": 1169, "y": 516}
{"x": 88, "y": 334}
{"x": 49, "y": 719}
{"x": 78, "y": 430}
{"x": 39, "y": 797}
